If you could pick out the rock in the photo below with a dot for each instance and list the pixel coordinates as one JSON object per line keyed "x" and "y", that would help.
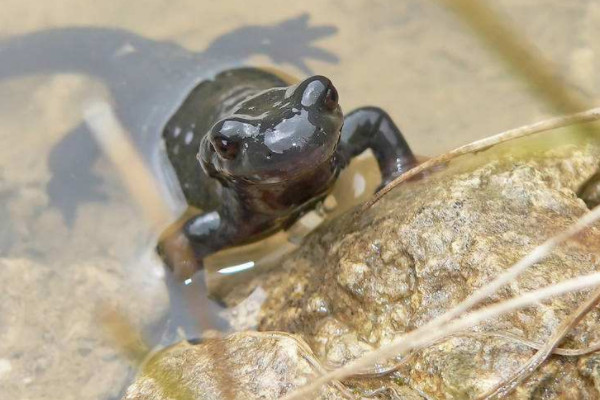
{"x": 245, "y": 365}
{"x": 364, "y": 279}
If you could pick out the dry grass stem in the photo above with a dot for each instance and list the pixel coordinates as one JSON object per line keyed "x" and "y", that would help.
{"x": 479, "y": 145}
{"x": 434, "y": 330}
{"x": 378, "y": 372}
{"x": 508, "y": 385}
{"x": 528, "y": 343}
{"x": 419, "y": 338}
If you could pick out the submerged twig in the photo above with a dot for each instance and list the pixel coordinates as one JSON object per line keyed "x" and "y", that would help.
{"x": 534, "y": 362}
{"x": 140, "y": 183}
{"x": 143, "y": 187}
{"x": 113, "y": 139}
{"x": 483, "y": 144}
{"x": 433, "y": 329}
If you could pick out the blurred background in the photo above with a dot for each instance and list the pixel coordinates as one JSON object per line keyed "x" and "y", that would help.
{"x": 72, "y": 242}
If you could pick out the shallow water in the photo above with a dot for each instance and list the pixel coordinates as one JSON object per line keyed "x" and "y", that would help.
{"x": 64, "y": 208}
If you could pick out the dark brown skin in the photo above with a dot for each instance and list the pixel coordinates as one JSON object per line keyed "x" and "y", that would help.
{"x": 257, "y": 154}
{"x": 590, "y": 191}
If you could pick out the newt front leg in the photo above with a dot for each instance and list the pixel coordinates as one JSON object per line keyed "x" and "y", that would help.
{"x": 372, "y": 128}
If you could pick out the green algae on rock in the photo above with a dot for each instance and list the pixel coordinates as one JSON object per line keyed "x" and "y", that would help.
{"x": 243, "y": 365}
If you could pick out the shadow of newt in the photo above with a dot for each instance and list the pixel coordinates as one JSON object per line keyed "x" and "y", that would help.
{"x": 147, "y": 80}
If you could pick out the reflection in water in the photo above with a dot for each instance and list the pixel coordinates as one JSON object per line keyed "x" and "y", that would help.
{"x": 234, "y": 269}
{"x": 191, "y": 312}
{"x": 147, "y": 80}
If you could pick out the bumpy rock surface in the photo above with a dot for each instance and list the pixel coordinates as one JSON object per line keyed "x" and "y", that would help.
{"x": 369, "y": 276}
{"x": 240, "y": 366}
{"x": 372, "y": 275}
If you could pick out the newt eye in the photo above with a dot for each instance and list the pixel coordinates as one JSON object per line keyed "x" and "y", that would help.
{"x": 226, "y": 148}
{"x": 331, "y": 98}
